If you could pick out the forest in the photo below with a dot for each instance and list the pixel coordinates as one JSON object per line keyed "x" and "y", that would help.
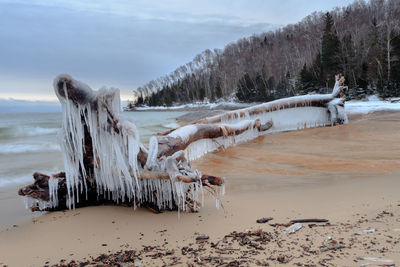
{"x": 361, "y": 41}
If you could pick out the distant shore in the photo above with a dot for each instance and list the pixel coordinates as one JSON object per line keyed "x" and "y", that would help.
{"x": 347, "y": 174}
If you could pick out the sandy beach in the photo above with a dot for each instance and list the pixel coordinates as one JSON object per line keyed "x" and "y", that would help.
{"x": 348, "y": 174}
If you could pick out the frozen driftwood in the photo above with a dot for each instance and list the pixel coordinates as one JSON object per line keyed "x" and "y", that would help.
{"x": 105, "y": 161}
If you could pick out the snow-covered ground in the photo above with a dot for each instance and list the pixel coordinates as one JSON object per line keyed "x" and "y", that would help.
{"x": 202, "y": 105}
{"x": 373, "y": 103}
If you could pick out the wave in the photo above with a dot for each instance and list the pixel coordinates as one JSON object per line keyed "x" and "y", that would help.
{"x": 19, "y": 132}
{"x": 41, "y": 131}
{"x": 16, "y": 180}
{"x": 171, "y": 125}
{"x": 22, "y": 148}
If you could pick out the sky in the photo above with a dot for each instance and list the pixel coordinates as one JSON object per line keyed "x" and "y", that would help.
{"x": 124, "y": 43}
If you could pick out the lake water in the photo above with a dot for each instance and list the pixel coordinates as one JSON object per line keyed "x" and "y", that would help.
{"x": 29, "y": 142}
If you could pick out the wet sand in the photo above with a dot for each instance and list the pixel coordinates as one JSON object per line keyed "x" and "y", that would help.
{"x": 348, "y": 174}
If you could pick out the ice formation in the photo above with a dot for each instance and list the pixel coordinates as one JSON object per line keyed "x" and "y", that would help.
{"x": 115, "y": 147}
{"x": 203, "y": 146}
{"x": 293, "y": 113}
{"x": 53, "y": 192}
{"x": 33, "y": 202}
{"x": 101, "y": 149}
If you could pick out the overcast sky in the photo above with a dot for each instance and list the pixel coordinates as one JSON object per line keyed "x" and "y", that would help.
{"x": 124, "y": 43}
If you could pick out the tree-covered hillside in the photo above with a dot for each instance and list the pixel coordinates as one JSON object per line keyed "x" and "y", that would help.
{"x": 361, "y": 41}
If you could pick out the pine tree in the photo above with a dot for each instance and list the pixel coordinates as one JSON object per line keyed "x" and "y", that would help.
{"x": 395, "y": 70}
{"x": 246, "y": 89}
{"x": 376, "y": 57}
{"x": 218, "y": 91}
{"x": 305, "y": 81}
{"x": 139, "y": 101}
{"x": 330, "y": 51}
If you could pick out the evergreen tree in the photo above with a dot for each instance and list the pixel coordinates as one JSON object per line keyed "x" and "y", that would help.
{"x": 330, "y": 51}
{"x": 376, "y": 57}
{"x": 305, "y": 81}
{"x": 218, "y": 91}
{"x": 246, "y": 89}
{"x": 363, "y": 77}
{"x": 139, "y": 101}
{"x": 395, "y": 69}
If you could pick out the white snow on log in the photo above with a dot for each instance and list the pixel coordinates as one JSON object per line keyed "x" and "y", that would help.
{"x": 203, "y": 146}
{"x": 283, "y": 120}
{"x": 295, "y": 118}
{"x": 184, "y": 132}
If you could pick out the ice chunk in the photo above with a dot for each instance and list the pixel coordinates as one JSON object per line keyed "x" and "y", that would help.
{"x": 375, "y": 259}
{"x": 293, "y": 228}
{"x": 369, "y": 230}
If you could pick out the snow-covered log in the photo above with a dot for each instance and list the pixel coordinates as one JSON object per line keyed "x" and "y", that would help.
{"x": 331, "y": 107}
{"x": 292, "y": 113}
{"x": 193, "y": 138}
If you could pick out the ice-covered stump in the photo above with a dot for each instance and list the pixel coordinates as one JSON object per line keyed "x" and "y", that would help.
{"x": 102, "y": 158}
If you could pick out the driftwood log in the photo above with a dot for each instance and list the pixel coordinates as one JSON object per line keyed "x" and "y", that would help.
{"x": 336, "y": 99}
{"x": 158, "y": 177}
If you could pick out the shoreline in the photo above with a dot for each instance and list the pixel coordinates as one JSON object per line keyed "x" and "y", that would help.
{"x": 346, "y": 174}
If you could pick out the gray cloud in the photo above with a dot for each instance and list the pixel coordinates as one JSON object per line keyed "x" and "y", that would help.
{"x": 120, "y": 43}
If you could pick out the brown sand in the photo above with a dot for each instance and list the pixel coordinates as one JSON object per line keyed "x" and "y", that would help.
{"x": 348, "y": 174}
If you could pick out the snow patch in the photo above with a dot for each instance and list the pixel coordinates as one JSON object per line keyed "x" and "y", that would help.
{"x": 373, "y": 104}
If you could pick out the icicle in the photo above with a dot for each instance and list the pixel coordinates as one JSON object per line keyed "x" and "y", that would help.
{"x": 153, "y": 151}
{"x": 53, "y": 192}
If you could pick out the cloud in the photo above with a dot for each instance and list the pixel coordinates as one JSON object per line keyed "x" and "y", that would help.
{"x": 124, "y": 43}
{"x": 101, "y": 48}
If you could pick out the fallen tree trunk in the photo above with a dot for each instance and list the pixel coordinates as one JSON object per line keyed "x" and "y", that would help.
{"x": 333, "y": 103}
{"x": 105, "y": 161}
{"x": 184, "y": 136}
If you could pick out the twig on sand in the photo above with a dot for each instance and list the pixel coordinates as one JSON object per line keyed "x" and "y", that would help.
{"x": 309, "y": 221}
{"x": 334, "y": 247}
{"x": 264, "y": 220}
